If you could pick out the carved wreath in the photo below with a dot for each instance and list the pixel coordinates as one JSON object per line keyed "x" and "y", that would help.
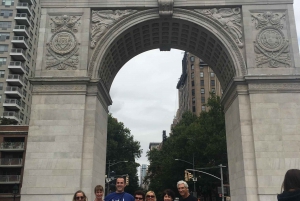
{"x": 63, "y": 46}
{"x": 271, "y": 46}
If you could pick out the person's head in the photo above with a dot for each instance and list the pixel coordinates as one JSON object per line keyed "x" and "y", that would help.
{"x": 79, "y": 196}
{"x": 139, "y": 195}
{"x": 183, "y": 189}
{"x": 168, "y": 195}
{"x": 291, "y": 180}
{"x": 150, "y": 196}
{"x": 120, "y": 184}
{"x": 98, "y": 192}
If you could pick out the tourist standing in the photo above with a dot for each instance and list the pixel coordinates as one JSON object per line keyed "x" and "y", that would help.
{"x": 183, "y": 190}
{"x": 120, "y": 194}
{"x": 290, "y": 186}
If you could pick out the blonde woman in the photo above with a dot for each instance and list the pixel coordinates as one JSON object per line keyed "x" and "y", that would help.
{"x": 150, "y": 196}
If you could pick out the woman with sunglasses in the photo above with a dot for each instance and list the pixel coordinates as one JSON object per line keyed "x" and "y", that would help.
{"x": 168, "y": 195}
{"x": 150, "y": 196}
{"x": 79, "y": 196}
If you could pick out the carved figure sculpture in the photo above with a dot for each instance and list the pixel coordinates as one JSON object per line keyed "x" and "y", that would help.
{"x": 103, "y": 20}
{"x": 230, "y": 19}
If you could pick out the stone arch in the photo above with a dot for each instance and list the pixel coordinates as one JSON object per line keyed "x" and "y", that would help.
{"x": 204, "y": 37}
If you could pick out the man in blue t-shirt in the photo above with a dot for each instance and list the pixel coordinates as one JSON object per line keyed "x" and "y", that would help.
{"x": 119, "y": 195}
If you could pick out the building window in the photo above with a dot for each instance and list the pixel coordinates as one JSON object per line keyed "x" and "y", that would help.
{"x": 202, "y": 99}
{"x": 2, "y": 61}
{"x": 2, "y": 73}
{"x": 192, "y": 75}
{"x": 5, "y": 25}
{"x": 200, "y": 65}
{"x": 0, "y": 98}
{"x": 192, "y": 66}
{"x": 193, "y": 92}
{"x": 203, "y": 107}
{"x": 8, "y": 2}
{"x": 194, "y": 109}
{"x": 192, "y": 58}
{"x": 4, "y": 36}
{"x": 3, "y": 48}
{"x": 1, "y": 85}
{"x": 6, "y": 13}
{"x": 201, "y": 82}
{"x": 212, "y": 74}
{"x": 193, "y": 100}
{"x": 212, "y": 83}
{"x": 213, "y": 90}
{"x": 193, "y": 83}
{"x": 24, "y": 93}
{"x": 202, "y": 91}
{"x": 201, "y": 74}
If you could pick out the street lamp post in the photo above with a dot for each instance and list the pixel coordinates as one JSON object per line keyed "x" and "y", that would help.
{"x": 194, "y": 177}
{"x": 108, "y": 173}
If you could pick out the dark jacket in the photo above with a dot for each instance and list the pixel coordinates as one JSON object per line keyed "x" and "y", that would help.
{"x": 289, "y": 196}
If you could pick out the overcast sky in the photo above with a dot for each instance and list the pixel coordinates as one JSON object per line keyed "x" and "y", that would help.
{"x": 144, "y": 93}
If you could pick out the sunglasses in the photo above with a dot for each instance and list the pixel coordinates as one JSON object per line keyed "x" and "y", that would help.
{"x": 80, "y": 198}
{"x": 138, "y": 198}
{"x": 150, "y": 196}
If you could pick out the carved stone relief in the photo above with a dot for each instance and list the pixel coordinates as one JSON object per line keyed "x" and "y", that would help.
{"x": 102, "y": 20}
{"x": 271, "y": 45}
{"x": 62, "y": 50}
{"x": 230, "y": 19}
{"x": 165, "y": 8}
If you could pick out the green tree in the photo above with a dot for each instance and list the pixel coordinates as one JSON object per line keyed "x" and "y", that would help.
{"x": 6, "y": 121}
{"x": 121, "y": 146}
{"x": 203, "y": 137}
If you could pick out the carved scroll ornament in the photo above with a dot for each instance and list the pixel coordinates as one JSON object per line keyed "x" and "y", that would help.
{"x": 104, "y": 19}
{"x": 230, "y": 19}
{"x": 165, "y": 8}
{"x": 271, "y": 46}
{"x": 62, "y": 50}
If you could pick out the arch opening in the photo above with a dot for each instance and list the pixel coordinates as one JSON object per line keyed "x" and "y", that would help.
{"x": 166, "y": 34}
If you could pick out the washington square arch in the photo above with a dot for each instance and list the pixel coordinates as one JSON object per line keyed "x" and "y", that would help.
{"x": 251, "y": 45}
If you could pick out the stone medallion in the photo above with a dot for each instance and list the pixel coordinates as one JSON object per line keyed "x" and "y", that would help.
{"x": 63, "y": 42}
{"x": 271, "y": 39}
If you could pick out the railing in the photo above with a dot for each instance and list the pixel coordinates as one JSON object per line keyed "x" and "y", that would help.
{"x": 23, "y": 4}
{"x": 11, "y": 161}
{"x": 17, "y": 63}
{"x": 12, "y": 145}
{"x": 10, "y": 178}
{"x": 13, "y": 101}
{"x": 10, "y": 114}
{"x": 13, "y": 89}
{"x": 15, "y": 77}
{"x": 20, "y": 38}
{"x": 23, "y": 27}
{"x": 22, "y": 15}
{"x": 18, "y": 50}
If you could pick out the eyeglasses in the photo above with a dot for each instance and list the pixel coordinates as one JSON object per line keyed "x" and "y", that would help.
{"x": 138, "y": 198}
{"x": 80, "y": 198}
{"x": 150, "y": 196}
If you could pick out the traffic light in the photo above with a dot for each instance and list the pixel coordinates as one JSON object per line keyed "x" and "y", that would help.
{"x": 127, "y": 180}
{"x": 190, "y": 176}
{"x": 186, "y": 175}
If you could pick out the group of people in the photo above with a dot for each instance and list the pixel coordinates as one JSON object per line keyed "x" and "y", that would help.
{"x": 290, "y": 191}
{"x": 121, "y": 195}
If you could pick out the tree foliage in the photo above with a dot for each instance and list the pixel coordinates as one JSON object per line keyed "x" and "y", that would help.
{"x": 203, "y": 137}
{"x": 121, "y": 146}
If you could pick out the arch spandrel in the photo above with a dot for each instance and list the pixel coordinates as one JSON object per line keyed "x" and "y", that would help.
{"x": 190, "y": 30}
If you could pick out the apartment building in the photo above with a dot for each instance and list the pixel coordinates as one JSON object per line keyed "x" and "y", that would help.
{"x": 194, "y": 86}
{"x": 12, "y": 157}
{"x": 19, "y": 29}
